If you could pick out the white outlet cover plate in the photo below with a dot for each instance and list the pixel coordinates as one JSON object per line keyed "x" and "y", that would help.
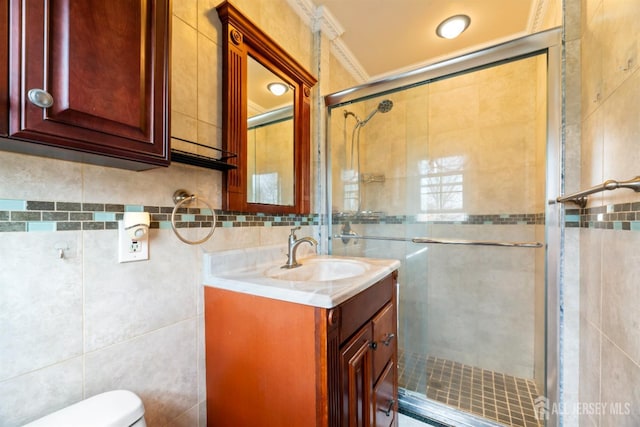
{"x": 131, "y": 250}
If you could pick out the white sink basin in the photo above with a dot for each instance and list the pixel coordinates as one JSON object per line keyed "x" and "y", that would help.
{"x": 319, "y": 270}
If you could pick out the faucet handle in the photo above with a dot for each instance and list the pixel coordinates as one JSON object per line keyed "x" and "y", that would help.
{"x": 293, "y": 230}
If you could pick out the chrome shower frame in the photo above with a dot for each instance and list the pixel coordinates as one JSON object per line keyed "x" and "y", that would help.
{"x": 549, "y": 42}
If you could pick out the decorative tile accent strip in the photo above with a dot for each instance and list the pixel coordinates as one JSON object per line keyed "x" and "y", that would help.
{"x": 458, "y": 219}
{"x": 23, "y": 215}
{"x": 622, "y": 216}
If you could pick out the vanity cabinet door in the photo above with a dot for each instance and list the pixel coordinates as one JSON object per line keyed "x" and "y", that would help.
{"x": 105, "y": 66}
{"x": 385, "y": 398}
{"x": 384, "y": 338}
{"x": 355, "y": 361}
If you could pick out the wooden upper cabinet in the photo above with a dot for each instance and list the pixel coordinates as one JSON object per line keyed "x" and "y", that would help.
{"x": 106, "y": 66}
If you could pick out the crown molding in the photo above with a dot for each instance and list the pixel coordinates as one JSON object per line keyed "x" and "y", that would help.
{"x": 305, "y": 9}
{"x": 349, "y": 61}
{"x": 320, "y": 19}
{"x": 327, "y": 24}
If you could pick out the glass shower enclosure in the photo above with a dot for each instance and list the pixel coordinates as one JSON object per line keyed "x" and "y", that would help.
{"x": 449, "y": 175}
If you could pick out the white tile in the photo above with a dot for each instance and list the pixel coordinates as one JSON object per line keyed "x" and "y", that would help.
{"x": 126, "y": 300}
{"x": 40, "y": 301}
{"x": 39, "y": 393}
{"x": 620, "y": 291}
{"x": 37, "y": 178}
{"x": 160, "y": 367}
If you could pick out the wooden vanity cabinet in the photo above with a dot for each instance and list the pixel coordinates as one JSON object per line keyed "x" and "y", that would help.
{"x": 276, "y": 363}
{"x": 105, "y": 65}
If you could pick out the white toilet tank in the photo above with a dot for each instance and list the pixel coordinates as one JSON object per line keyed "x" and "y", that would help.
{"x": 118, "y": 408}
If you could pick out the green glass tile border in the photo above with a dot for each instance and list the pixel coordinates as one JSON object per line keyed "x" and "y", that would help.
{"x": 623, "y": 217}
{"x": 37, "y": 215}
{"x": 494, "y": 219}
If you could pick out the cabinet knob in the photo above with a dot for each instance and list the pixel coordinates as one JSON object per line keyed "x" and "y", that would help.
{"x": 373, "y": 345}
{"x": 40, "y": 98}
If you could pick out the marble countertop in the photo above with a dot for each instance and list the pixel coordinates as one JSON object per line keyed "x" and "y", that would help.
{"x": 249, "y": 270}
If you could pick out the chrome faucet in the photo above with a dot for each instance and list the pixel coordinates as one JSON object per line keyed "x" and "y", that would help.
{"x": 294, "y": 242}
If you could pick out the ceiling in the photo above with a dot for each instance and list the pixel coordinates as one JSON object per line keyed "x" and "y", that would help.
{"x": 385, "y": 37}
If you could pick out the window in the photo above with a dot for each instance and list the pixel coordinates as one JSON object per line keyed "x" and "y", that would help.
{"x": 441, "y": 189}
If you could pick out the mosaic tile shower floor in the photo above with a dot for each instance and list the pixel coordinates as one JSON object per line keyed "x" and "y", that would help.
{"x": 503, "y": 398}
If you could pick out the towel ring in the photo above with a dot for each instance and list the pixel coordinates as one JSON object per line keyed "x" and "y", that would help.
{"x": 181, "y": 197}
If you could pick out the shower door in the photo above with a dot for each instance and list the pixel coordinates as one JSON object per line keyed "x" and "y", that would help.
{"x": 461, "y": 161}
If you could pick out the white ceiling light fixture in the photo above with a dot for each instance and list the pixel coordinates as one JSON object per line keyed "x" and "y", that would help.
{"x": 453, "y": 26}
{"x": 277, "y": 88}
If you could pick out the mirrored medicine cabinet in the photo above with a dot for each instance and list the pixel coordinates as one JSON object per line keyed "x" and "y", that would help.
{"x": 266, "y": 120}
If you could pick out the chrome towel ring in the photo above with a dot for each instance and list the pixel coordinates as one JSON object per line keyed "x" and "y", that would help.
{"x": 182, "y": 197}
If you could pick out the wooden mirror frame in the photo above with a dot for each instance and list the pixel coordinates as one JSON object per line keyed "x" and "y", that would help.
{"x": 242, "y": 38}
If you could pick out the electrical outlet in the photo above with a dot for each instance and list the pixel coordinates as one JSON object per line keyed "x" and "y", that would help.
{"x": 131, "y": 250}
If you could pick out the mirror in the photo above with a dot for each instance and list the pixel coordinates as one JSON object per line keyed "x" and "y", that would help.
{"x": 270, "y": 139}
{"x": 270, "y": 134}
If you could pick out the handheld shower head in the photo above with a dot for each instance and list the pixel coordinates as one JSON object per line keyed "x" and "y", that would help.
{"x": 384, "y": 107}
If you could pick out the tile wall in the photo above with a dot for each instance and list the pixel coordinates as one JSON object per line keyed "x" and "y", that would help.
{"x": 477, "y": 306}
{"x": 609, "y": 361}
{"x": 79, "y": 325}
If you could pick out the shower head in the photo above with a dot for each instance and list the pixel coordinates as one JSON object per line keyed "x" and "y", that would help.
{"x": 384, "y": 107}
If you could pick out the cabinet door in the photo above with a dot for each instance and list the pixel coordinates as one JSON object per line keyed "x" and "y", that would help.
{"x": 384, "y": 337}
{"x": 105, "y": 64}
{"x": 355, "y": 360}
{"x": 384, "y": 398}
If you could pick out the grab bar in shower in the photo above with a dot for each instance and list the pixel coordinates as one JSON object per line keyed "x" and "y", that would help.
{"x": 580, "y": 198}
{"x": 428, "y": 240}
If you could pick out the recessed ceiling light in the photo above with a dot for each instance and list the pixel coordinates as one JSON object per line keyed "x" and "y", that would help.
{"x": 453, "y": 26}
{"x": 277, "y": 88}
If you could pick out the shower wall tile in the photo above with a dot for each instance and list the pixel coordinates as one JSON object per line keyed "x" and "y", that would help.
{"x": 38, "y": 393}
{"x": 620, "y": 291}
{"x": 619, "y": 387}
{"x": 498, "y": 160}
{"x": 593, "y": 42}
{"x": 159, "y": 366}
{"x": 621, "y": 130}
{"x": 590, "y": 370}
{"x": 487, "y": 298}
{"x": 117, "y": 300}
{"x": 619, "y": 34}
{"x": 591, "y": 275}
{"x": 592, "y": 154}
{"x": 41, "y": 302}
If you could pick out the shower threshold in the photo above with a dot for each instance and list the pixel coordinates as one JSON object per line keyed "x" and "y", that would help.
{"x": 453, "y": 394}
